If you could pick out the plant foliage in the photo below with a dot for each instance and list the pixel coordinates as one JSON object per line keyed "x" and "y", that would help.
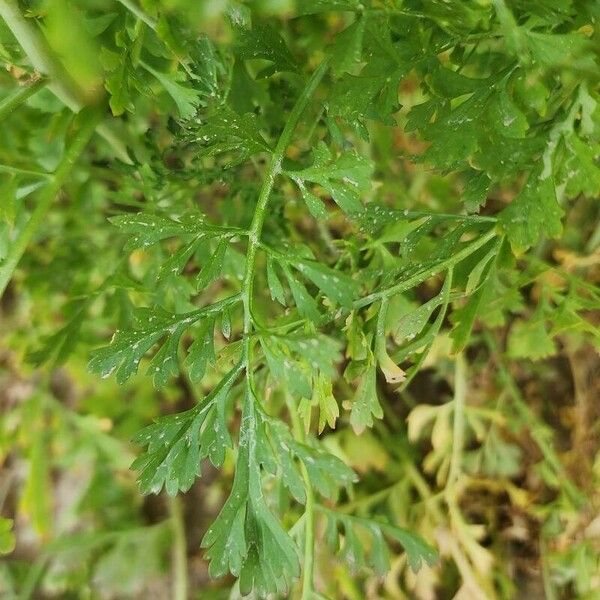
{"x": 292, "y": 209}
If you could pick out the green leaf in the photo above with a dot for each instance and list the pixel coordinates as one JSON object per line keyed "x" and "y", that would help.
{"x": 464, "y": 317}
{"x": 327, "y": 473}
{"x": 477, "y": 186}
{"x": 373, "y": 93}
{"x": 374, "y": 552}
{"x": 337, "y": 286}
{"x": 128, "y": 347}
{"x": 324, "y": 400}
{"x": 186, "y": 98}
{"x": 177, "y": 262}
{"x": 274, "y": 283}
{"x": 305, "y": 303}
{"x": 530, "y": 339}
{"x": 165, "y": 363}
{"x": 286, "y": 369}
{"x": 118, "y": 82}
{"x": 344, "y": 178}
{"x": 246, "y": 539}
{"x": 346, "y": 50}
{"x": 264, "y": 42}
{"x": 61, "y": 344}
{"x": 534, "y": 213}
{"x": 213, "y": 268}
{"x": 365, "y": 404}
{"x": 223, "y": 131}
{"x": 177, "y": 444}
{"x": 147, "y": 229}
{"x": 202, "y": 351}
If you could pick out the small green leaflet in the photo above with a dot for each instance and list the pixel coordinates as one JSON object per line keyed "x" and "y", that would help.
{"x": 223, "y": 131}
{"x": 8, "y": 200}
{"x": 335, "y": 285}
{"x": 326, "y": 472}
{"x": 59, "y": 346}
{"x": 274, "y": 283}
{"x": 178, "y": 443}
{"x": 373, "y": 93}
{"x": 264, "y": 42}
{"x": 147, "y": 229}
{"x": 535, "y": 212}
{"x": 305, "y": 303}
{"x": 213, "y": 266}
{"x": 346, "y": 50}
{"x": 530, "y": 339}
{"x": 186, "y": 98}
{"x": 128, "y": 347}
{"x": 285, "y": 367}
{"x": 365, "y": 404}
{"x": 324, "y": 401}
{"x": 202, "y": 351}
{"x": 296, "y": 359}
{"x": 375, "y": 553}
{"x": 344, "y": 178}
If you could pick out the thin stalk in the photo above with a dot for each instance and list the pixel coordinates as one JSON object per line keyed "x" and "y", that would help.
{"x": 309, "y": 508}
{"x": 422, "y": 276}
{"x": 24, "y": 172}
{"x": 19, "y": 97}
{"x": 135, "y": 10}
{"x": 40, "y": 54}
{"x": 60, "y": 83}
{"x": 458, "y": 433}
{"x": 255, "y": 230}
{"x": 179, "y": 550}
{"x": 46, "y": 198}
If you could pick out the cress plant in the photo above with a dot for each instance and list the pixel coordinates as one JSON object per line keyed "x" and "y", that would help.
{"x": 292, "y": 211}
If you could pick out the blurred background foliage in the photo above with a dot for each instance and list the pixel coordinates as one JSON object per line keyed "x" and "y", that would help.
{"x": 520, "y": 520}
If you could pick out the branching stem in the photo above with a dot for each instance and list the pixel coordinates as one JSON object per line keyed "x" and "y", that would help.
{"x": 254, "y": 237}
{"x": 255, "y": 230}
{"x": 442, "y": 265}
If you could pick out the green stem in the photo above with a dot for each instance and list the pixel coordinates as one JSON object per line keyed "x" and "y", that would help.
{"x": 19, "y": 97}
{"x": 309, "y": 509}
{"x": 254, "y": 235}
{"x": 179, "y": 552}
{"x": 134, "y": 9}
{"x": 427, "y": 273}
{"x": 255, "y": 230}
{"x": 60, "y": 83}
{"x": 24, "y": 172}
{"x": 46, "y": 198}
